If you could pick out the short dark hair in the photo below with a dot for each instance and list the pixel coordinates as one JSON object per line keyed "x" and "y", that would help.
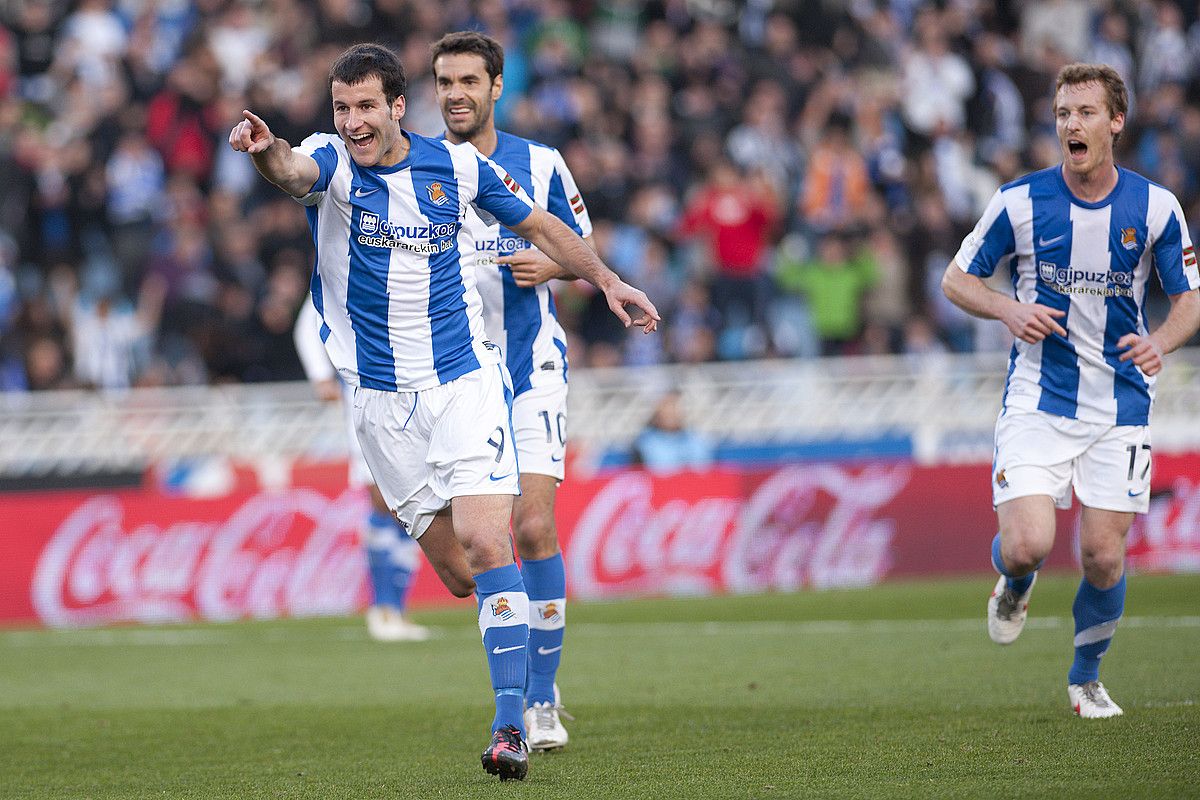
{"x": 480, "y": 44}
{"x": 1115, "y": 93}
{"x": 364, "y": 60}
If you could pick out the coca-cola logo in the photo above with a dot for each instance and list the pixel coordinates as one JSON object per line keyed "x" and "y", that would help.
{"x": 292, "y": 552}
{"x": 803, "y": 525}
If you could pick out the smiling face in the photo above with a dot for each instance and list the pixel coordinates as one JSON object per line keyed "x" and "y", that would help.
{"x": 466, "y": 94}
{"x": 368, "y": 125}
{"x": 1086, "y": 128}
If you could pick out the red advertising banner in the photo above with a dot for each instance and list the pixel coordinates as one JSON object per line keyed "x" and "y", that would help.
{"x": 164, "y": 553}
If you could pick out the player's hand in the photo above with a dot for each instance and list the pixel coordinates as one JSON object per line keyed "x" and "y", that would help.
{"x": 532, "y": 268}
{"x": 1033, "y": 322}
{"x": 621, "y": 294}
{"x": 1143, "y": 350}
{"x": 328, "y": 390}
{"x": 251, "y": 135}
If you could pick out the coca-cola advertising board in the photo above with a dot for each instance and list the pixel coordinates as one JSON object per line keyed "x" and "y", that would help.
{"x": 291, "y": 547}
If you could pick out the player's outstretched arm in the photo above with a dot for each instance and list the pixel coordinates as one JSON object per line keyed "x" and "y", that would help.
{"x": 1180, "y": 325}
{"x": 1029, "y": 322}
{"x": 273, "y": 157}
{"x": 550, "y": 235}
{"x": 533, "y": 267}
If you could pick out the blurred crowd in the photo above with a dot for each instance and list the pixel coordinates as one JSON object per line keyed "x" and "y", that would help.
{"x": 784, "y": 179}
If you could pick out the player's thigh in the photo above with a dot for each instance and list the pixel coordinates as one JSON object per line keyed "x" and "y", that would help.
{"x": 446, "y": 555}
{"x": 395, "y": 446}
{"x": 539, "y": 418}
{"x": 1027, "y": 528}
{"x": 1033, "y": 456}
{"x": 471, "y": 449}
{"x": 1113, "y": 474}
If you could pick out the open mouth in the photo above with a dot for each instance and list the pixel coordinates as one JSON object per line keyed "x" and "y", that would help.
{"x": 362, "y": 140}
{"x": 459, "y": 113}
{"x": 1077, "y": 148}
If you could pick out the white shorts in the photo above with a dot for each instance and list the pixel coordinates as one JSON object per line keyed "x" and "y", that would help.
{"x": 360, "y": 473}
{"x": 540, "y": 424}
{"x": 426, "y": 448}
{"x": 1045, "y": 454}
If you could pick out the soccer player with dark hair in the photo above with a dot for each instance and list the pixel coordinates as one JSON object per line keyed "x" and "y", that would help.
{"x": 402, "y": 321}
{"x": 1081, "y": 240}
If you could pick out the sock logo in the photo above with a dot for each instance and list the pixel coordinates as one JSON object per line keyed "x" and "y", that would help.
{"x": 502, "y": 609}
{"x": 550, "y": 613}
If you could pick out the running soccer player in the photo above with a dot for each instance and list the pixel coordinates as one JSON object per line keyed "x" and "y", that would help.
{"x": 1081, "y": 239}
{"x": 401, "y": 320}
{"x": 393, "y": 556}
{"x": 519, "y": 315}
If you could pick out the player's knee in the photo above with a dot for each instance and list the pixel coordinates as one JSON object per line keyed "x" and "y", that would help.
{"x": 459, "y": 585}
{"x": 1023, "y": 555}
{"x": 536, "y": 534}
{"x": 1102, "y": 566}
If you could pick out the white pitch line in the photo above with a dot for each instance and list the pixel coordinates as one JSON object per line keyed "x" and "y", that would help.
{"x": 150, "y": 637}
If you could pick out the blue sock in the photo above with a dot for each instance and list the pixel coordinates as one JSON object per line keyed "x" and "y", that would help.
{"x": 1096, "y": 612}
{"x": 380, "y": 537}
{"x": 504, "y": 623}
{"x": 1019, "y": 585}
{"x": 546, "y": 582}
{"x": 404, "y": 559}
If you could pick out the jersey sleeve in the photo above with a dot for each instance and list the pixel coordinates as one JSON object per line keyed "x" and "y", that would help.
{"x": 319, "y": 147}
{"x": 992, "y": 240}
{"x": 1174, "y": 256}
{"x": 310, "y": 348}
{"x": 564, "y": 200}
{"x": 500, "y": 195}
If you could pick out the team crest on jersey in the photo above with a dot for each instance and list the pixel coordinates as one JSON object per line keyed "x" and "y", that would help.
{"x": 502, "y": 609}
{"x": 1129, "y": 238}
{"x": 1047, "y": 269}
{"x": 437, "y": 195}
{"x": 368, "y": 223}
{"x": 1001, "y": 480}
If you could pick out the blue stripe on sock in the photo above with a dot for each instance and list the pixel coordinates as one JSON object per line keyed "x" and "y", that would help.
{"x": 507, "y": 667}
{"x": 545, "y": 579}
{"x": 1094, "y": 607}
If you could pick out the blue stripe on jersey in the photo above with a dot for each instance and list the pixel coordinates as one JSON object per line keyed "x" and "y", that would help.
{"x": 522, "y": 322}
{"x": 998, "y": 242}
{"x": 1130, "y": 210}
{"x": 327, "y": 161}
{"x": 1168, "y": 258}
{"x": 562, "y": 349}
{"x": 314, "y": 284}
{"x": 366, "y": 289}
{"x": 436, "y": 190}
{"x": 556, "y": 203}
{"x": 1052, "y": 235}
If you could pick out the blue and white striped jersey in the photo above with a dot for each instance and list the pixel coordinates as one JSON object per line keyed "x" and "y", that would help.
{"x": 395, "y": 281}
{"x": 1091, "y": 260}
{"x": 523, "y": 321}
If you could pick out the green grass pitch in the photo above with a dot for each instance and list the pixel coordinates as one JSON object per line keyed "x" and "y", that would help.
{"x": 893, "y": 691}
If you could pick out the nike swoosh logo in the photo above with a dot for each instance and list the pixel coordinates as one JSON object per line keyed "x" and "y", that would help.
{"x": 1136, "y": 494}
{"x": 360, "y": 193}
{"x": 1044, "y": 242}
{"x": 556, "y": 460}
{"x": 498, "y": 650}
{"x": 544, "y": 651}
{"x": 494, "y": 477}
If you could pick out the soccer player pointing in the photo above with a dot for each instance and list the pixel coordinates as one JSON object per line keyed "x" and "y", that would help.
{"x": 401, "y": 320}
{"x": 1081, "y": 239}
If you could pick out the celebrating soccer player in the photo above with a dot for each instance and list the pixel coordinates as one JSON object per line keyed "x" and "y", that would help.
{"x": 1081, "y": 239}
{"x": 401, "y": 319}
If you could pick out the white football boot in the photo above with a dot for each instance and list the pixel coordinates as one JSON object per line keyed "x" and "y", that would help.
{"x": 1006, "y": 611}
{"x": 1091, "y": 701}
{"x": 543, "y": 727}
{"x": 387, "y": 624}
